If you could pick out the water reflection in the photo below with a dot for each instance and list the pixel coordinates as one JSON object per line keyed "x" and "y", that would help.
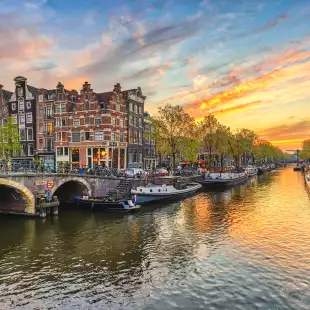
{"x": 232, "y": 249}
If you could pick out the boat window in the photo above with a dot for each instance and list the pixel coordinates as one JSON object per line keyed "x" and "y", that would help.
{"x": 159, "y": 190}
{"x": 151, "y": 190}
{"x": 140, "y": 189}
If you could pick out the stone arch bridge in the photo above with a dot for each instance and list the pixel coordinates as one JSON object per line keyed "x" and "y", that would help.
{"x": 18, "y": 190}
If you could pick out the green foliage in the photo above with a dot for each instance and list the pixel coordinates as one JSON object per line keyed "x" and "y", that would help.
{"x": 190, "y": 149}
{"x": 172, "y": 125}
{"x": 9, "y": 140}
{"x": 264, "y": 151}
{"x": 305, "y": 152}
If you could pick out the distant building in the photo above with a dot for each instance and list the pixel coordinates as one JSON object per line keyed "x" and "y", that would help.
{"x": 149, "y": 152}
{"x": 4, "y": 105}
{"x": 22, "y": 107}
{"x": 135, "y": 106}
{"x": 45, "y": 127}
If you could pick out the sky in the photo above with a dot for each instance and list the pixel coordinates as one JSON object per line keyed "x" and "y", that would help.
{"x": 245, "y": 61}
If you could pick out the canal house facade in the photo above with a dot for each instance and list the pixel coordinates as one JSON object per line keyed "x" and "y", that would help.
{"x": 45, "y": 127}
{"x": 149, "y": 147}
{"x": 4, "y": 105}
{"x": 22, "y": 108}
{"x": 135, "y": 106}
{"x": 90, "y": 128}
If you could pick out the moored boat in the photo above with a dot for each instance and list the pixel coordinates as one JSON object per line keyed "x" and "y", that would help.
{"x": 251, "y": 171}
{"x": 106, "y": 204}
{"x": 157, "y": 192}
{"x": 223, "y": 179}
{"x": 307, "y": 181}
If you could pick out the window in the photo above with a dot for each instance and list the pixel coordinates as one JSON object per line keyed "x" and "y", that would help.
{"x": 29, "y": 118}
{"x": 29, "y": 134}
{"x": 21, "y": 105}
{"x": 76, "y": 122}
{"x": 130, "y": 136}
{"x": 58, "y": 108}
{"x": 63, "y": 108}
{"x": 121, "y": 123}
{"x": 140, "y": 122}
{"x": 22, "y": 135}
{"x": 137, "y": 121}
{"x": 60, "y": 97}
{"x": 118, "y": 107}
{"x": 113, "y": 121}
{"x": 40, "y": 128}
{"x": 121, "y": 137}
{"x": 58, "y": 136}
{"x": 13, "y": 106}
{"x": 49, "y": 111}
{"x": 98, "y": 135}
{"x": 75, "y": 137}
{"x": 82, "y": 136}
{"x": 135, "y": 137}
{"x": 140, "y": 138}
{"x": 98, "y": 121}
{"x": 86, "y": 105}
{"x": 28, "y": 105}
{"x": 40, "y": 144}
{"x": 64, "y": 136}
{"x": 130, "y": 106}
{"x": 64, "y": 122}
{"x": 30, "y": 149}
{"x": 58, "y": 122}
{"x": 41, "y": 112}
{"x": 59, "y": 151}
{"x": 136, "y": 108}
{"x": 66, "y": 150}
{"x": 86, "y": 121}
{"x": 117, "y": 121}
{"x": 22, "y": 120}
{"x": 113, "y": 136}
{"x": 140, "y": 110}
{"x": 117, "y": 136}
{"x": 14, "y": 119}
{"x": 130, "y": 120}
{"x": 87, "y": 136}
{"x": 49, "y": 127}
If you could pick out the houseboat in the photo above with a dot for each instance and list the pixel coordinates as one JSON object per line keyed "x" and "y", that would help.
{"x": 251, "y": 171}
{"x": 223, "y": 177}
{"x": 106, "y": 204}
{"x": 167, "y": 189}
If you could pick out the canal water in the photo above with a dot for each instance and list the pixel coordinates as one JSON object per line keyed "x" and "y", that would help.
{"x": 245, "y": 248}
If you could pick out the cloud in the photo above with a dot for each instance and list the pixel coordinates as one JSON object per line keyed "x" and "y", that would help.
{"x": 20, "y": 40}
{"x": 146, "y": 45}
{"x": 288, "y": 133}
{"x": 44, "y": 66}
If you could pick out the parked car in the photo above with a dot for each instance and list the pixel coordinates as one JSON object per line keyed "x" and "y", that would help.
{"x": 161, "y": 172}
{"x": 134, "y": 172}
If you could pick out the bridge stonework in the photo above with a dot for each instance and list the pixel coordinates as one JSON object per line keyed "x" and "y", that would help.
{"x": 27, "y": 185}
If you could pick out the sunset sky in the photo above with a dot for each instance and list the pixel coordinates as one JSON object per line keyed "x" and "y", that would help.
{"x": 246, "y": 61}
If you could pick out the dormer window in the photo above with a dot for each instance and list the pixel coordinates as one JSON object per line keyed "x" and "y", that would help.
{"x": 60, "y": 97}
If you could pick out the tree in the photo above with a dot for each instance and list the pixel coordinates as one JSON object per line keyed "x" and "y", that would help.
{"x": 222, "y": 142}
{"x": 305, "y": 152}
{"x": 190, "y": 149}
{"x": 173, "y": 125}
{"x": 246, "y": 138}
{"x": 9, "y": 140}
{"x": 207, "y": 134}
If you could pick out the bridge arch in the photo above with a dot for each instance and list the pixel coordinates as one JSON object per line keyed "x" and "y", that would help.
{"x": 15, "y": 197}
{"x": 70, "y": 187}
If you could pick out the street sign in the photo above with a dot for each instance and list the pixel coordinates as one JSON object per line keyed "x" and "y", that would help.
{"x": 50, "y": 184}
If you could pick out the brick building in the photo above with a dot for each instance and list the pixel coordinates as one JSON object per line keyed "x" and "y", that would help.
{"x": 22, "y": 107}
{"x": 135, "y": 105}
{"x": 4, "y": 106}
{"x": 45, "y": 127}
{"x": 149, "y": 148}
{"x": 90, "y": 128}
